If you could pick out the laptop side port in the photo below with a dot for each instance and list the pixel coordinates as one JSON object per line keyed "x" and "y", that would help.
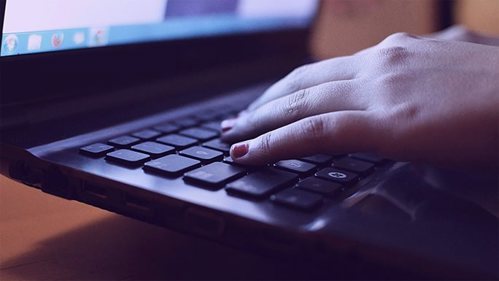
{"x": 139, "y": 206}
{"x": 95, "y": 191}
{"x": 204, "y": 223}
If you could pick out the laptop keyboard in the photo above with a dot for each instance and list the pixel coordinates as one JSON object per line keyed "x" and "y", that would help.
{"x": 191, "y": 148}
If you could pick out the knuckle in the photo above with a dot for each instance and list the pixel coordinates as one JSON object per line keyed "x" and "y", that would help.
{"x": 461, "y": 32}
{"x": 398, "y": 38}
{"x": 265, "y": 143}
{"x": 296, "y": 104}
{"x": 314, "y": 128}
{"x": 393, "y": 55}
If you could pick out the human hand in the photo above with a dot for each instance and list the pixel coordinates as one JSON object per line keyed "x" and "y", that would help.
{"x": 407, "y": 98}
{"x": 461, "y": 33}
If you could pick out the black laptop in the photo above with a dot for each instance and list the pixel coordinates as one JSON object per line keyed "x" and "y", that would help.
{"x": 118, "y": 104}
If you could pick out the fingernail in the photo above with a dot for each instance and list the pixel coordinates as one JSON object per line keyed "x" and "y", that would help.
{"x": 228, "y": 124}
{"x": 239, "y": 150}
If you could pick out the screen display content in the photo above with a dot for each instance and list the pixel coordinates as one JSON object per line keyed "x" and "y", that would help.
{"x": 34, "y": 26}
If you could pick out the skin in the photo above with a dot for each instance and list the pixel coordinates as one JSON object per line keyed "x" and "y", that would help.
{"x": 432, "y": 100}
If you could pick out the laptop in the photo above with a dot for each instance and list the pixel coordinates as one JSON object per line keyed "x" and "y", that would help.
{"x": 118, "y": 103}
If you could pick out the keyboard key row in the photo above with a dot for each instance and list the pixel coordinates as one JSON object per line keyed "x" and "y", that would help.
{"x": 306, "y": 195}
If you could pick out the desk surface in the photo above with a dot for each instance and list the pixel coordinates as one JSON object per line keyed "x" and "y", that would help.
{"x": 43, "y": 237}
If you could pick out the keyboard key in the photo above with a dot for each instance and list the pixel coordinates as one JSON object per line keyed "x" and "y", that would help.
{"x": 146, "y": 134}
{"x": 186, "y": 122}
{"x": 353, "y": 165}
{"x": 177, "y": 141}
{"x": 261, "y": 184}
{"x": 296, "y": 166}
{"x": 153, "y": 148}
{"x": 123, "y": 141}
{"x": 217, "y": 144}
{"x": 230, "y": 161}
{"x": 324, "y": 187}
{"x": 127, "y": 157}
{"x": 297, "y": 199}
{"x": 203, "y": 154}
{"x": 373, "y": 158}
{"x": 319, "y": 159}
{"x": 215, "y": 126}
{"x": 337, "y": 175}
{"x": 214, "y": 175}
{"x": 171, "y": 165}
{"x": 167, "y": 128}
{"x": 199, "y": 133}
{"x": 96, "y": 149}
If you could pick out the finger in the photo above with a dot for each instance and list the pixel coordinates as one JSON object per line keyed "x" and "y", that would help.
{"x": 461, "y": 33}
{"x": 336, "y": 69}
{"x": 338, "y": 132}
{"x": 324, "y": 98}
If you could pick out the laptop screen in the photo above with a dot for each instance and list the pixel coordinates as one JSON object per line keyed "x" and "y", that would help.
{"x": 34, "y": 26}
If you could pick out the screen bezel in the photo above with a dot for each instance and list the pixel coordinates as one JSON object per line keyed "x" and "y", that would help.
{"x": 31, "y": 77}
